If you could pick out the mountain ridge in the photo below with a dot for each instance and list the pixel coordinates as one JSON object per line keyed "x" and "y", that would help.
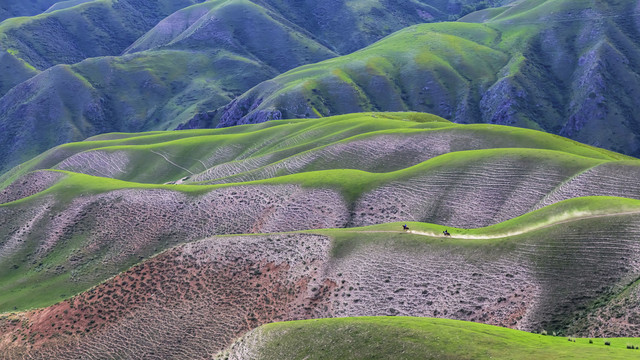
{"x": 220, "y": 34}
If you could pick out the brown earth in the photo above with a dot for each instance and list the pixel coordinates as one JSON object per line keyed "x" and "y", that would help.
{"x": 29, "y": 184}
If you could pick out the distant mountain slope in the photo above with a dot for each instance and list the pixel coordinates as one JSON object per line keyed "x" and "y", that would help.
{"x": 61, "y": 5}
{"x": 199, "y": 58}
{"x": 567, "y": 67}
{"x": 364, "y": 21}
{"x": 14, "y": 70}
{"x": 10, "y": 9}
{"x": 153, "y": 90}
{"x": 93, "y": 28}
{"x": 442, "y": 68}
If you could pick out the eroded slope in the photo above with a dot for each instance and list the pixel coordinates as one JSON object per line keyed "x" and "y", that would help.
{"x": 62, "y": 229}
{"x": 193, "y": 300}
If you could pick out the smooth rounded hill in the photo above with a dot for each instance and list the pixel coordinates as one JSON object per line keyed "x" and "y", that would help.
{"x": 412, "y": 338}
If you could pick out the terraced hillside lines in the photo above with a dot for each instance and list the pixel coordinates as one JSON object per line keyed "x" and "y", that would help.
{"x": 215, "y": 149}
{"x": 79, "y": 233}
{"x": 188, "y": 302}
{"x": 29, "y": 185}
{"x": 411, "y": 338}
{"x": 566, "y": 218}
{"x": 558, "y": 255}
{"x": 369, "y": 142}
{"x": 58, "y": 224}
{"x": 565, "y": 67}
{"x": 222, "y": 287}
{"x": 617, "y": 317}
{"x": 615, "y": 175}
{"x": 452, "y": 191}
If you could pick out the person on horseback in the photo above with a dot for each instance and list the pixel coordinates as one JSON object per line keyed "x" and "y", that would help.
{"x": 405, "y": 227}
{"x": 446, "y": 233}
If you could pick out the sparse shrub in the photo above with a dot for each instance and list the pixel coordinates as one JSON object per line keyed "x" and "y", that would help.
{"x": 608, "y": 343}
{"x": 590, "y": 341}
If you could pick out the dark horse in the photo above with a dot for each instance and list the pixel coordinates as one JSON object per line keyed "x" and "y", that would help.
{"x": 446, "y": 233}
{"x": 405, "y": 227}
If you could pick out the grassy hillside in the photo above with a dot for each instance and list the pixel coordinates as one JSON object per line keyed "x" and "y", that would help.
{"x": 413, "y": 338}
{"x": 541, "y": 277}
{"x": 374, "y": 142}
{"x": 77, "y": 31}
{"x": 565, "y": 67}
{"x": 64, "y": 212}
{"x": 154, "y": 90}
{"x": 90, "y": 29}
{"x": 393, "y": 75}
{"x": 10, "y": 9}
{"x": 184, "y": 68}
{"x": 14, "y": 70}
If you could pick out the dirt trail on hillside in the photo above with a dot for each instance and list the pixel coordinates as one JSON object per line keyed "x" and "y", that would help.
{"x": 510, "y": 233}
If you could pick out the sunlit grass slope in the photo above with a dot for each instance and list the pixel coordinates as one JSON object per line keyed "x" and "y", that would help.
{"x": 414, "y": 338}
{"x": 158, "y": 157}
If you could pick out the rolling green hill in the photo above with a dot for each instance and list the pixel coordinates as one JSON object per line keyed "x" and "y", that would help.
{"x": 541, "y": 277}
{"x": 155, "y": 90}
{"x": 565, "y": 67}
{"x": 311, "y": 229}
{"x": 413, "y": 338}
{"x": 139, "y": 234}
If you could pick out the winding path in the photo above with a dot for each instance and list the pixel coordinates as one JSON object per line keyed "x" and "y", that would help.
{"x": 565, "y": 218}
